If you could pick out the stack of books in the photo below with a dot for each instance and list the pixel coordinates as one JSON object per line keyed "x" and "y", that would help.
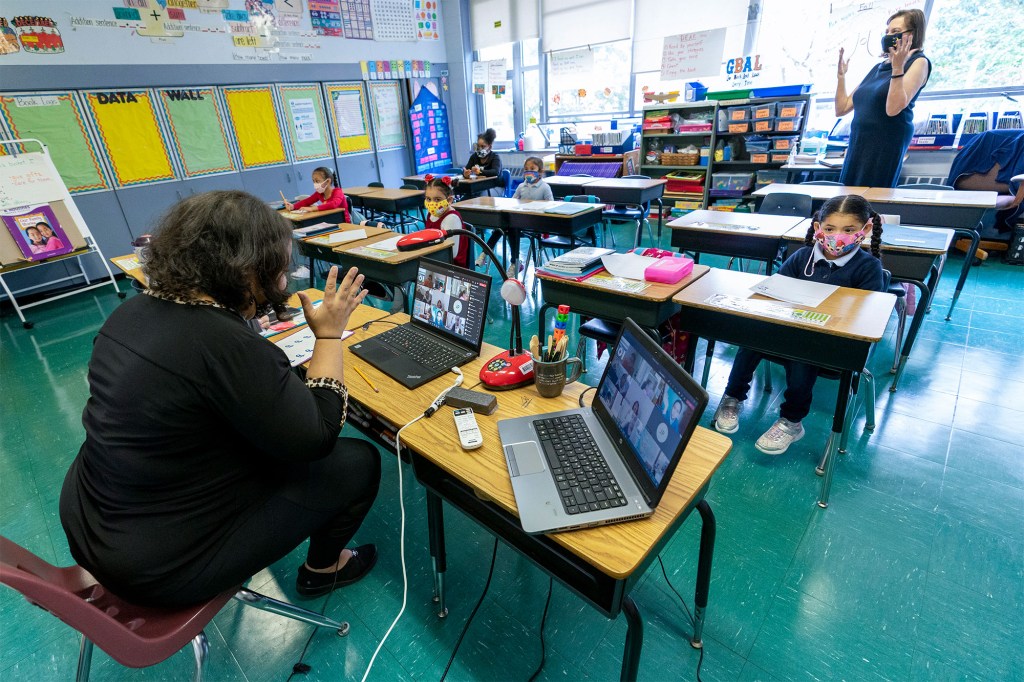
{"x": 578, "y": 264}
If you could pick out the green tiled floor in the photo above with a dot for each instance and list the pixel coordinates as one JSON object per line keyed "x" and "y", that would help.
{"x": 915, "y": 572}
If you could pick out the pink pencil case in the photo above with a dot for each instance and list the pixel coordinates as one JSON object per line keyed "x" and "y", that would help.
{"x": 669, "y": 270}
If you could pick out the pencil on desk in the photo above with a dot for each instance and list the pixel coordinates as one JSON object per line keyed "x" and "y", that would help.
{"x": 366, "y": 379}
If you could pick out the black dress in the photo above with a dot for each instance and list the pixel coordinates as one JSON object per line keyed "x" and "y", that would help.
{"x": 205, "y": 458}
{"x": 878, "y": 141}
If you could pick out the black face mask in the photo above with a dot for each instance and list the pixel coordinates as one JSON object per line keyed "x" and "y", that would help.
{"x": 889, "y": 41}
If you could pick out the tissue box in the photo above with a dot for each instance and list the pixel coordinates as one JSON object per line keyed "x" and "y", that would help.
{"x": 669, "y": 270}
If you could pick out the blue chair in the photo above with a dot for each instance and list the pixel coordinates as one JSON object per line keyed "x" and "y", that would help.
{"x": 787, "y": 204}
{"x": 506, "y": 180}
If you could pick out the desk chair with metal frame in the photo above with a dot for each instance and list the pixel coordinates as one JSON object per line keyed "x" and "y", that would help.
{"x": 134, "y": 636}
{"x": 638, "y": 215}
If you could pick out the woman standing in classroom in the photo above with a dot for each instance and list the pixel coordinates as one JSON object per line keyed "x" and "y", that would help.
{"x": 883, "y": 104}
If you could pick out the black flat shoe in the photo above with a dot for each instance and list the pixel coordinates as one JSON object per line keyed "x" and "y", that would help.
{"x": 312, "y": 584}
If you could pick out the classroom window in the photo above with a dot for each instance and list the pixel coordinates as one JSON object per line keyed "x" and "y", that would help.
{"x": 499, "y": 111}
{"x": 531, "y": 52}
{"x": 595, "y": 84}
{"x": 975, "y": 44}
{"x": 531, "y": 95}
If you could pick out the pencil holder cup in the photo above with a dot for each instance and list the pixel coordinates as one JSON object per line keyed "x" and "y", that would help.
{"x": 550, "y": 376}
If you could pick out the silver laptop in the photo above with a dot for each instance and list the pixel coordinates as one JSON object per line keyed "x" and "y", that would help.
{"x": 613, "y": 461}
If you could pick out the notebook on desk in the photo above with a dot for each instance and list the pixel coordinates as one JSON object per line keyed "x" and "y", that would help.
{"x": 613, "y": 461}
{"x": 569, "y": 208}
{"x": 446, "y": 330}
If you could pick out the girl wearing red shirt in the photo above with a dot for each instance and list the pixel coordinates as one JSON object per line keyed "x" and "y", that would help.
{"x": 327, "y": 195}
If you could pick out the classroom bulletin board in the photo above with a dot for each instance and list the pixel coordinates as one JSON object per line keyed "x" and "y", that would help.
{"x": 305, "y": 120}
{"x": 386, "y": 103}
{"x": 130, "y": 136}
{"x": 349, "y": 118}
{"x": 57, "y": 119}
{"x": 197, "y": 129}
{"x": 253, "y": 115}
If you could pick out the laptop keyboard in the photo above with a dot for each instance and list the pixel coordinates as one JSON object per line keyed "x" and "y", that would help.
{"x": 581, "y": 473}
{"x": 428, "y": 352}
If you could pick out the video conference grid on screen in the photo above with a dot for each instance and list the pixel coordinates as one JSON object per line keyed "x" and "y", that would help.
{"x": 649, "y": 409}
{"x": 450, "y": 303}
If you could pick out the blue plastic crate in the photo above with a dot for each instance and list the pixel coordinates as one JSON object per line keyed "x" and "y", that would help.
{"x": 782, "y": 91}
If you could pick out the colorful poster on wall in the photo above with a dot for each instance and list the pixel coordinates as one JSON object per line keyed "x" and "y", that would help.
{"x": 38, "y": 34}
{"x": 428, "y": 19}
{"x": 386, "y": 99}
{"x": 57, "y": 120}
{"x": 392, "y": 21}
{"x": 198, "y": 132}
{"x": 130, "y": 136}
{"x": 305, "y": 120}
{"x": 325, "y": 17}
{"x": 253, "y": 116}
{"x": 349, "y": 118}
{"x": 431, "y": 139}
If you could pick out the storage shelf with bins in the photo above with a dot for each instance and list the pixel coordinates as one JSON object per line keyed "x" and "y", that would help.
{"x": 698, "y": 138}
{"x": 711, "y": 138}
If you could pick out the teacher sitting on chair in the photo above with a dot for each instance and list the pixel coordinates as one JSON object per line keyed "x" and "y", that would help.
{"x": 206, "y": 458}
{"x": 883, "y": 104}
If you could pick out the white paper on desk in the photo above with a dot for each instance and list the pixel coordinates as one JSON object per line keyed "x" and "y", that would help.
{"x": 387, "y": 244}
{"x": 347, "y": 236}
{"x": 537, "y": 206}
{"x": 628, "y": 265}
{"x": 792, "y": 290}
{"x": 299, "y": 346}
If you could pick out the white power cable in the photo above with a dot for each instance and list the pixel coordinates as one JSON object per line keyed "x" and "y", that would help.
{"x": 438, "y": 401}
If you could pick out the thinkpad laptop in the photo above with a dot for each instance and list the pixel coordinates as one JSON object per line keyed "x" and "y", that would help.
{"x": 613, "y": 461}
{"x": 446, "y": 330}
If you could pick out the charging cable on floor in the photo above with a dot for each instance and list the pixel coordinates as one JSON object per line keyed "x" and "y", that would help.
{"x": 693, "y": 623}
{"x": 472, "y": 614}
{"x": 438, "y": 401}
{"x": 543, "y": 621}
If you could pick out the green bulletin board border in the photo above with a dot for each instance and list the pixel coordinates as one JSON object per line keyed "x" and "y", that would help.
{"x": 180, "y": 142}
{"x": 316, "y": 95}
{"x": 76, "y": 185}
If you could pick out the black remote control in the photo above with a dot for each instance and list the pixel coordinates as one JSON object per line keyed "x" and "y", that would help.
{"x": 480, "y": 403}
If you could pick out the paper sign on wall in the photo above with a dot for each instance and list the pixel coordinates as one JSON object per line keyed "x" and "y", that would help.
{"x": 304, "y": 120}
{"x": 570, "y": 62}
{"x": 691, "y": 55}
{"x": 479, "y": 78}
{"x": 26, "y": 179}
{"x": 496, "y": 72}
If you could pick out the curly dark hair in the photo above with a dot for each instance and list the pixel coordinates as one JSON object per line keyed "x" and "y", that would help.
{"x": 487, "y": 136}
{"x": 850, "y": 204}
{"x": 218, "y": 243}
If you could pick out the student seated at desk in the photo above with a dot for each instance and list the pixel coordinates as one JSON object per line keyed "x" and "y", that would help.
{"x": 484, "y": 162}
{"x": 206, "y": 458}
{"x": 327, "y": 195}
{"x": 533, "y": 188}
{"x": 437, "y": 199}
{"x": 832, "y": 255}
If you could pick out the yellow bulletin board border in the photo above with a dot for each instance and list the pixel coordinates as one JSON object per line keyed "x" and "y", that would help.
{"x": 318, "y": 103}
{"x": 256, "y": 128}
{"x": 9, "y": 99}
{"x": 137, "y": 154}
{"x": 176, "y": 135}
{"x": 346, "y": 143}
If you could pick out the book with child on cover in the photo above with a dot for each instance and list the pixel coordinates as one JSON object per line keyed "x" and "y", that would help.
{"x": 37, "y": 232}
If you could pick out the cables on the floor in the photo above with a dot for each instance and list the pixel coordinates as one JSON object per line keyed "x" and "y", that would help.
{"x": 301, "y": 668}
{"x": 693, "y": 622}
{"x": 543, "y": 621}
{"x": 401, "y": 504}
{"x": 465, "y": 628}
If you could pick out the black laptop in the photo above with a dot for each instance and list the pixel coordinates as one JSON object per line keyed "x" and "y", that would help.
{"x": 447, "y": 327}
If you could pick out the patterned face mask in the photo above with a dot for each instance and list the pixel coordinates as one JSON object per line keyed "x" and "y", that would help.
{"x": 531, "y": 177}
{"x": 436, "y": 208}
{"x": 836, "y": 245}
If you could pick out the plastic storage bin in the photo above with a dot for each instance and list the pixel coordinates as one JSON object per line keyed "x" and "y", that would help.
{"x": 685, "y": 182}
{"x": 767, "y": 177}
{"x": 732, "y": 182}
{"x": 780, "y": 157}
{"x": 790, "y": 109}
{"x": 784, "y": 143}
{"x": 763, "y": 111}
{"x": 739, "y": 127}
{"x": 737, "y": 114}
{"x": 758, "y": 143}
{"x": 788, "y": 125}
{"x": 764, "y": 125}
{"x": 759, "y": 157}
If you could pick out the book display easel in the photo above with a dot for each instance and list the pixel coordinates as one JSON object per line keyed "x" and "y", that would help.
{"x": 41, "y": 224}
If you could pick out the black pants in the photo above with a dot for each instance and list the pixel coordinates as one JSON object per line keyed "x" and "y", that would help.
{"x": 325, "y": 500}
{"x": 800, "y": 378}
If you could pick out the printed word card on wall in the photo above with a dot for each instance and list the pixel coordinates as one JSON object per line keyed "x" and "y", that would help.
{"x": 253, "y": 115}
{"x": 130, "y": 135}
{"x": 431, "y": 139}
{"x": 305, "y": 120}
{"x": 386, "y": 98}
{"x": 349, "y": 118}
{"x": 198, "y": 131}
{"x": 690, "y": 55}
{"x": 58, "y": 121}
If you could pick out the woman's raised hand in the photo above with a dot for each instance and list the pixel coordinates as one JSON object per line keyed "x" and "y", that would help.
{"x": 330, "y": 319}
{"x": 844, "y": 66}
{"x": 899, "y": 55}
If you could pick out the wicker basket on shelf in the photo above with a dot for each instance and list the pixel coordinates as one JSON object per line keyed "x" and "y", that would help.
{"x": 680, "y": 158}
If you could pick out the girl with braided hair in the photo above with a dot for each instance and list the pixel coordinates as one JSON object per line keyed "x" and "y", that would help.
{"x": 832, "y": 255}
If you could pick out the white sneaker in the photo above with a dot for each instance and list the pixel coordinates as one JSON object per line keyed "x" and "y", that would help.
{"x": 727, "y": 416}
{"x": 481, "y": 260}
{"x": 779, "y": 437}
{"x": 514, "y": 269}
{"x": 301, "y": 273}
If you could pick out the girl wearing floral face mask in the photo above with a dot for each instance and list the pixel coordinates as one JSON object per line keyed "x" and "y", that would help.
{"x": 832, "y": 254}
{"x": 327, "y": 195}
{"x": 440, "y": 215}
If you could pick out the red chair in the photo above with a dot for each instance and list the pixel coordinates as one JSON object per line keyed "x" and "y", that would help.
{"x": 134, "y": 636}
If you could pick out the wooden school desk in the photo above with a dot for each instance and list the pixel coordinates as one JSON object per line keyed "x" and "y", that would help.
{"x": 601, "y": 565}
{"x": 129, "y": 264}
{"x": 513, "y": 216}
{"x": 394, "y": 201}
{"x": 467, "y": 187}
{"x": 316, "y": 248}
{"x": 909, "y": 260}
{"x": 858, "y": 320}
{"x": 566, "y": 185}
{"x": 356, "y": 193}
{"x": 757, "y": 236}
{"x": 629, "y": 191}
{"x": 649, "y": 307}
{"x": 958, "y": 210}
{"x": 820, "y": 193}
{"x": 313, "y": 217}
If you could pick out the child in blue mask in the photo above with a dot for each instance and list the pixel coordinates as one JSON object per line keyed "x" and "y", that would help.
{"x": 833, "y": 255}
{"x": 533, "y": 185}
